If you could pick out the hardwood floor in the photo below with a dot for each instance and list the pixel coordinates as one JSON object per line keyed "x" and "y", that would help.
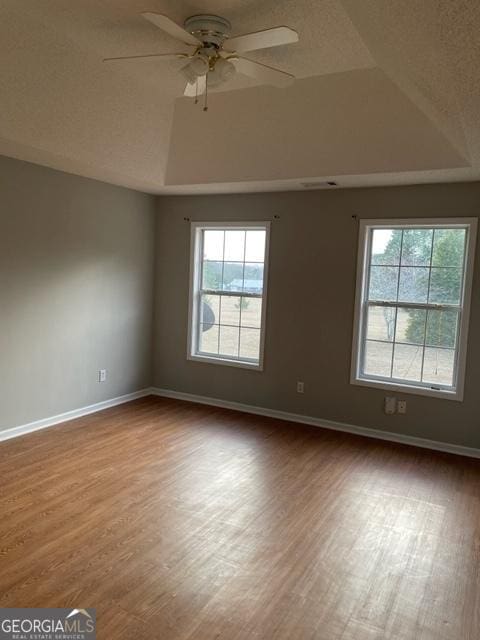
{"x": 184, "y": 522}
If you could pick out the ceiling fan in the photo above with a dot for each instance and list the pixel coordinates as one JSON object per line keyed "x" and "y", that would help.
{"x": 214, "y": 57}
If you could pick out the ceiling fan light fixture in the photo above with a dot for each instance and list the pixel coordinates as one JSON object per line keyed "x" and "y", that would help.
{"x": 221, "y": 72}
{"x": 224, "y": 68}
{"x": 197, "y": 67}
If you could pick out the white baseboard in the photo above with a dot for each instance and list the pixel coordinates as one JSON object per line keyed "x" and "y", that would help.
{"x": 71, "y": 415}
{"x": 246, "y": 408}
{"x": 318, "y": 422}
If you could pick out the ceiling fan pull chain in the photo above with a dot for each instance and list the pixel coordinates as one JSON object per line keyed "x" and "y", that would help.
{"x": 196, "y": 91}
{"x": 205, "y": 108}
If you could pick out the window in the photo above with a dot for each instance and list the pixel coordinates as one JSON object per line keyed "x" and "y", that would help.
{"x": 228, "y": 293}
{"x": 412, "y": 306}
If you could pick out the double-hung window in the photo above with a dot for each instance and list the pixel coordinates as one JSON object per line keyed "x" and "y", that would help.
{"x": 229, "y": 264}
{"x": 412, "y": 305}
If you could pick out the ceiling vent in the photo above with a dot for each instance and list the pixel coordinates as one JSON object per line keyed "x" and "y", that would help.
{"x": 319, "y": 185}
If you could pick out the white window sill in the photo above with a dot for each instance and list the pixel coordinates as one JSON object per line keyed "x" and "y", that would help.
{"x": 446, "y": 394}
{"x": 241, "y": 364}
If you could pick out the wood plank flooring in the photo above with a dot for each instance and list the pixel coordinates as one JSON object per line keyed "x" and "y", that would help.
{"x": 185, "y": 522}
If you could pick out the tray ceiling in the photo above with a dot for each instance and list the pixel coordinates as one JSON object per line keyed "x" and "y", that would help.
{"x": 385, "y": 95}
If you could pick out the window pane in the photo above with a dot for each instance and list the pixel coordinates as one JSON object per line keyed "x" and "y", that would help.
{"x": 386, "y": 246}
{"x": 208, "y": 338}
{"x": 251, "y": 312}
{"x": 411, "y": 307}
{"x": 411, "y": 326}
{"x": 250, "y": 343}
{"x": 381, "y": 323}
{"x": 213, "y": 245}
{"x": 448, "y": 248}
{"x": 378, "y": 358}
{"x": 210, "y": 310}
{"x": 229, "y": 341}
{"x": 230, "y": 310}
{"x": 255, "y": 246}
{"x": 212, "y": 275}
{"x": 235, "y": 245}
{"x": 442, "y": 328}
{"x": 413, "y": 284}
{"x": 417, "y": 247}
{"x": 407, "y": 362}
{"x": 438, "y": 366}
{"x": 383, "y": 283}
{"x": 253, "y": 282}
{"x": 445, "y": 286}
{"x": 233, "y": 276}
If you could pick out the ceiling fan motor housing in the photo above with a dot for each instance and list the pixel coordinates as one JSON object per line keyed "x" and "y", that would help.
{"x": 209, "y": 29}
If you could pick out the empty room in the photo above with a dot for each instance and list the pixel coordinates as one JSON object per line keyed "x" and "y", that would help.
{"x": 239, "y": 320}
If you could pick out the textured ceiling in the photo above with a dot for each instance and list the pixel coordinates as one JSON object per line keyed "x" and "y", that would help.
{"x": 404, "y": 74}
{"x": 354, "y": 134}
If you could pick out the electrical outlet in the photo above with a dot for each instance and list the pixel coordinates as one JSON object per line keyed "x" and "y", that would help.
{"x": 390, "y": 405}
{"x": 402, "y": 407}
{"x": 102, "y": 375}
{"x": 300, "y": 387}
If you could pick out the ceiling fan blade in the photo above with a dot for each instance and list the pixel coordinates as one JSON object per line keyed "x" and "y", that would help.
{"x": 149, "y": 56}
{"x": 262, "y": 72}
{"x": 170, "y": 27}
{"x": 196, "y": 88}
{"x": 261, "y": 39}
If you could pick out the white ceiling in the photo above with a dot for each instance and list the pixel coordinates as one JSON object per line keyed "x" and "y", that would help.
{"x": 388, "y": 92}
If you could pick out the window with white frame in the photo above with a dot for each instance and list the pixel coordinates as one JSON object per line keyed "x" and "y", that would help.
{"x": 412, "y": 305}
{"x": 228, "y": 293}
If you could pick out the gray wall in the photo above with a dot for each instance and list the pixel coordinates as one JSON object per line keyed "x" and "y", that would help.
{"x": 77, "y": 288}
{"x": 76, "y": 291}
{"x": 309, "y": 312}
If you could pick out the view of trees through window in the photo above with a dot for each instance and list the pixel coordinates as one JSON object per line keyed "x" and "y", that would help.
{"x": 413, "y": 303}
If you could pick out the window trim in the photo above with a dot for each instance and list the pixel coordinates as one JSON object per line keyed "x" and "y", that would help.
{"x": 364, "y": 249}
{"x": 195, "y": 286}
